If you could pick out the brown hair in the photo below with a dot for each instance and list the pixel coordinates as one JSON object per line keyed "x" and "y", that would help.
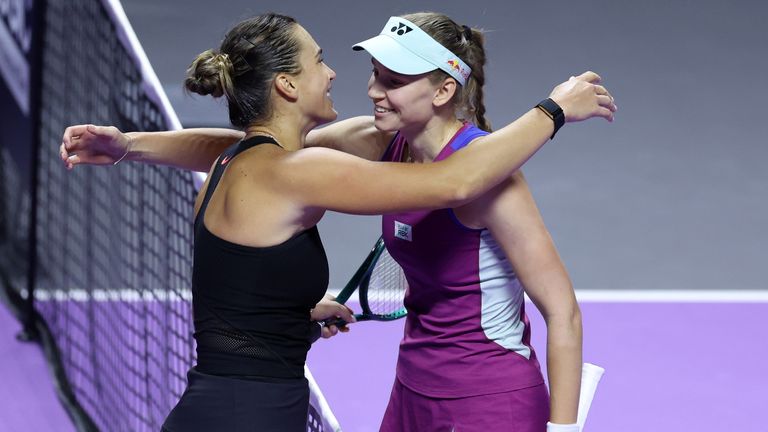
{"x": 466, "y": 43}
{"x": 243, "y": 68}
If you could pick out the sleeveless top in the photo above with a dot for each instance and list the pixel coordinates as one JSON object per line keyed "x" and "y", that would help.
{"x": 251, "y": 305}
{"x": 466, "y": 332}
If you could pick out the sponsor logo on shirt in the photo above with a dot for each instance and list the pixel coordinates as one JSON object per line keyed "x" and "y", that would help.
{"x": 403, "y": 231}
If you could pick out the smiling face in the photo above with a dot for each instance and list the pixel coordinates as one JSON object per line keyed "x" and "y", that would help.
{"x": 400, "y": 101}
{"x": 314, "y": 80}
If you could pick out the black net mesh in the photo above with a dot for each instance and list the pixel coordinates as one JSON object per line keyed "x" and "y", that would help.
{"x": 114, "y": 244}
{"x": 113, "y": 258}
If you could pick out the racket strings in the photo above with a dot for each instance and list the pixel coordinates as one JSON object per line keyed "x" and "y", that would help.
{"x": 387, "y": 286}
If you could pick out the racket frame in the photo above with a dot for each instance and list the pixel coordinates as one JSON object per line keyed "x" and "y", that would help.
{"x": 359, "y": 282}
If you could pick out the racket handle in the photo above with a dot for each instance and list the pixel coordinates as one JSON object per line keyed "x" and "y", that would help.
{"x": 590, "y": 378}
{"x": 317, "y": 328}
{"x": 315, "y": 331}
{"x": 338, "y": 322}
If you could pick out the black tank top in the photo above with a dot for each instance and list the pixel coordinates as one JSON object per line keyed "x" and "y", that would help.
{"x": 251, "y": 304}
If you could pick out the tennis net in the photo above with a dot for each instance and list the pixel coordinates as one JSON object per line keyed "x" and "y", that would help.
{"x": 113, "y": 246}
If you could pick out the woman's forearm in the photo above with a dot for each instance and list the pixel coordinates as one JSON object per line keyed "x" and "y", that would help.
{"x": 579, "y": 98}
{"x": 192, "y": 149}
{"x": 495, "y": 157}
{"x": 564, "y": 337}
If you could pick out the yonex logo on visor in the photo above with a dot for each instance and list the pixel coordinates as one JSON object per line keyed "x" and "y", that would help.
{"x": 406, "y": 49}
{"x": 400, "y": 29}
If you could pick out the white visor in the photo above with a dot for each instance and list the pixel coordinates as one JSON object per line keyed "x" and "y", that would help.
{"x": 406, "y": 49}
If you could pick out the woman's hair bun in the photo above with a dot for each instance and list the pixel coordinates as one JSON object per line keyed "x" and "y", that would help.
{"x": 209, "y": 73}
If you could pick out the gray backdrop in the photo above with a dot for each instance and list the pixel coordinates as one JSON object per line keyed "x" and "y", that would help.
{"x": 672, "y": 195}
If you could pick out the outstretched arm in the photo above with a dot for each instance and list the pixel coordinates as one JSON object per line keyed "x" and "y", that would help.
{"x": 196, "y": 149}
{"x": 356, "y": 136}
{"x": 333, "y": 180}
{"x": 192, "y": 149}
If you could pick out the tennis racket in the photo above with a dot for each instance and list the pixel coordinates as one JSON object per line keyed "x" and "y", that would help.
{"x": 380, "y": 284}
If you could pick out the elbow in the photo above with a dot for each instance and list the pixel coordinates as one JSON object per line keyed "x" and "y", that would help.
{"x": 567, "y": 319}
{"x": 464, "y": 189}
{"x": 574, "y": 313}
{"x": 454, "y": 185}
{"x": 573, "y": 317}
{"x": 459, "y": 196}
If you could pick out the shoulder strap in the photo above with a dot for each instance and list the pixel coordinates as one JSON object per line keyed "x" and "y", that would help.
{"x": 466, "y": 136}
{"x": 221, "y": 164}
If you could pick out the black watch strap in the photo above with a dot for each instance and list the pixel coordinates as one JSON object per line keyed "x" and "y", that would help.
{"x": 553, "y": 110}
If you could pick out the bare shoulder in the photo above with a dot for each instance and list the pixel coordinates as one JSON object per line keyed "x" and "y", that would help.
{"x": 255, "y": 160}
{"x": 258, "y": 170}
{"x": 510, "y": 193}
{"x": 500, "y": 200}
{"x": 356, "y": 135}
{"x": 253, "y": 193}
{"x": 280, "y": 170}
{"x": 263, "y": 175}
{"x": 312, "y": 160}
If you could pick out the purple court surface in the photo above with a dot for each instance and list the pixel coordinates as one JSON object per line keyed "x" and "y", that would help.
{"x": 27, "y": 397}
{"x": 670, "y": 366}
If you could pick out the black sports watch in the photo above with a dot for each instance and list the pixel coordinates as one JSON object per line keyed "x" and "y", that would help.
{"x": 553, "y": 110}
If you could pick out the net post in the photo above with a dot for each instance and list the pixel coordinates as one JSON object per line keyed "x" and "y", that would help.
{"x": 29, "y": 331}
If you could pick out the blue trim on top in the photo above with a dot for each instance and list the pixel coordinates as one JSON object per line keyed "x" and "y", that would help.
{"x": 461, "y": 225}
{"x": 467, "y": 136}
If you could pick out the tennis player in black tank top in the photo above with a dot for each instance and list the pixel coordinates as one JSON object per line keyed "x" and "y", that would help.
{"x": 252, "y": 338}
{"x": 259, "y": 267}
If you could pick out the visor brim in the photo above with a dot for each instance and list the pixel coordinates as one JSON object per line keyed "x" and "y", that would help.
{"x": 394, "y": 56}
